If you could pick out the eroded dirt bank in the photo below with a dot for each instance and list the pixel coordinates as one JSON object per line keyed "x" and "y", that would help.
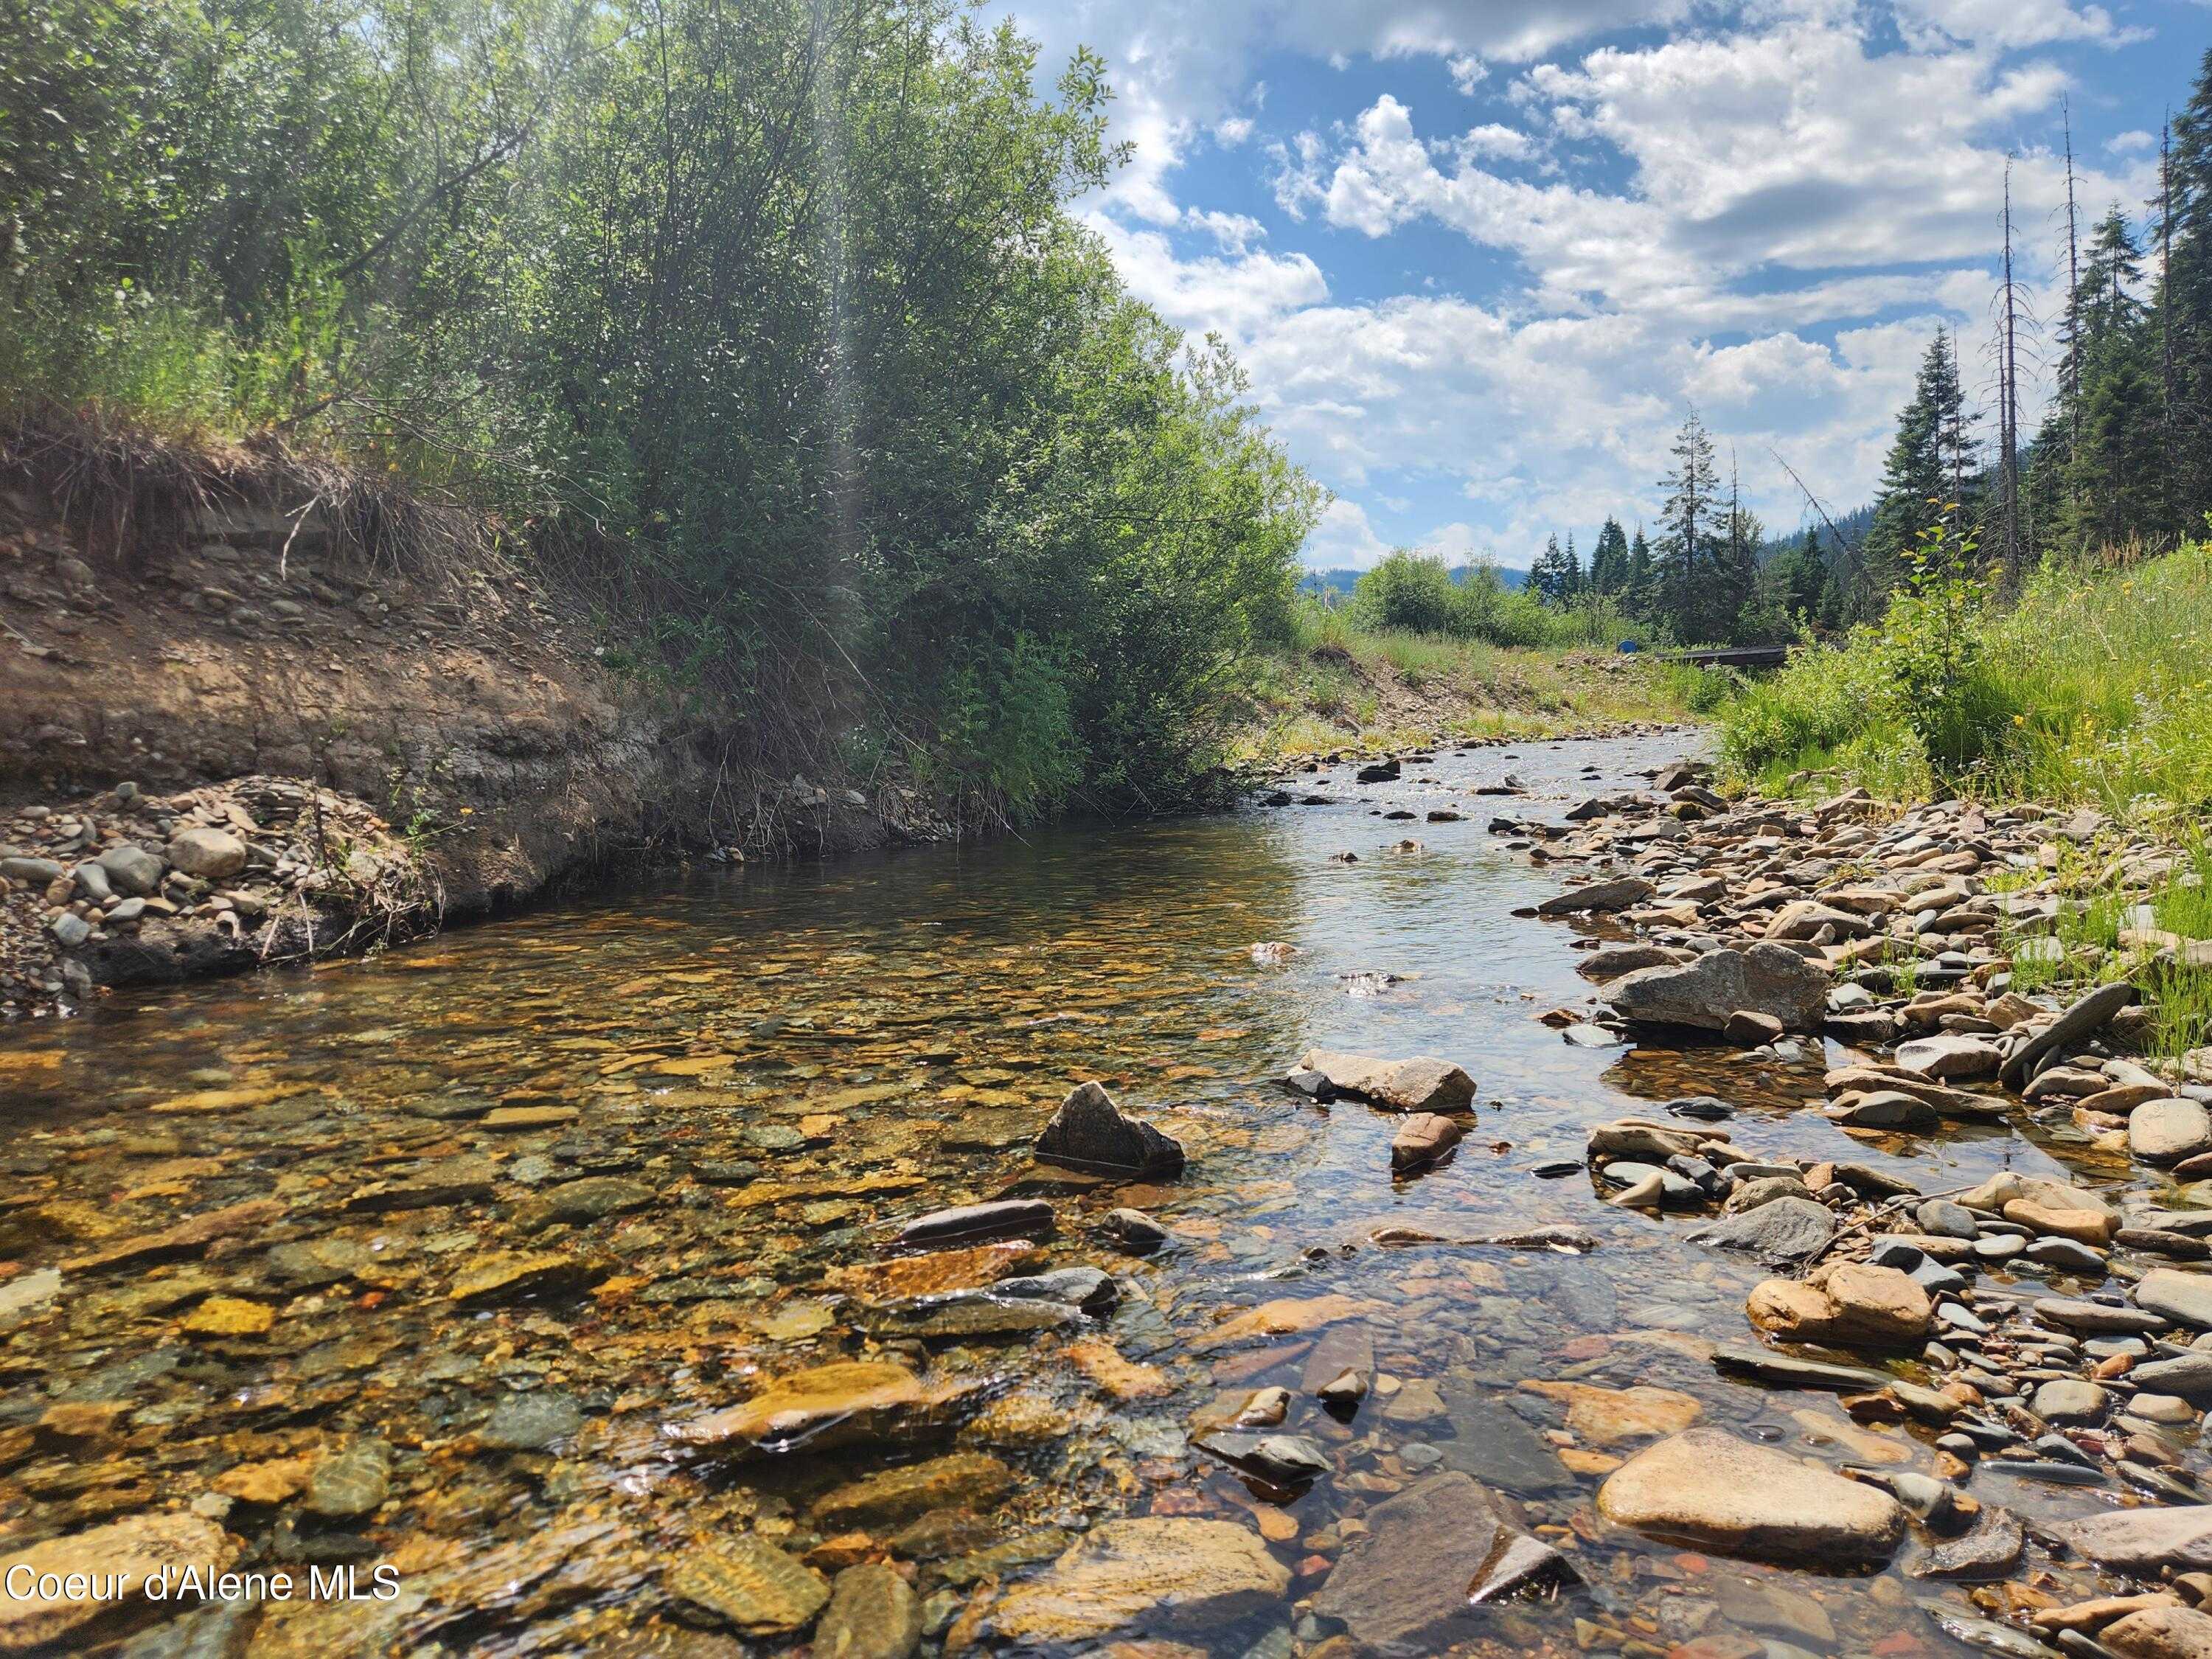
{"x": 350, "y": 751}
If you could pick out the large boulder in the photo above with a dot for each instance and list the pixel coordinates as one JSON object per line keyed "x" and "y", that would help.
{"x": 1766, "y": 979}
{"x": 209, "y": 854}
{"x": 1708, "y": 1488}
{"x": 1090, "y": 1132}
{"x": 1159, "y": 1572}
{"x": 1844, "y": 1304}
{"x": 1419, "y": 1085}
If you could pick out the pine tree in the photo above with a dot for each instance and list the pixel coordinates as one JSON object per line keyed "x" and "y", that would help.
{"x": 2184, "y": 304}
{"x": 1929, "y": 465}
{"x": 1547, "y": 575}
{"x": 1639, "y": 589}
{"x": 1571, "y": 578}
{"x": 1689, "y": 598}
{"x": 1608, "y": 565}
{"x": 2117, "y": 477}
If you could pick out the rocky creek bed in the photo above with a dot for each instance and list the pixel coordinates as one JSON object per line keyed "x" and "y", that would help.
{"x": 1244, "y": 1237}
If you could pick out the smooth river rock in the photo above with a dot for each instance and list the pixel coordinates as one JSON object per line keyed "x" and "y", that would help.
{"x": 2167, "y": 1131}
{"x": 2177, "y": 1294}
{"x": 1705, "y": 1486}
{"x": 1843, "y": 1305}
{"x": 1168, "y": 1573}
{"x": 1419, "y": 1085}
{"x": 2145, "y": 1539}
{"x": 1767, "y": 979}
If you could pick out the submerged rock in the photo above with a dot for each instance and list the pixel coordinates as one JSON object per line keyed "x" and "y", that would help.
{"x": 2144, "y": 1540}
{"x": 1167, "y": 1573}
{"x": 873, "y": 1613}
{"x": 969, "y": 1481}
{"x": 754, "y": 1586}
{"x": 852, "y": 1400}
{"x": 1007, "y": 1218}
{"x": 1405, "y": 1586}
{"x": 1090, "y": 1132}
{"x": 1707, "y": 1487}
{"x": 132, "y": 1550}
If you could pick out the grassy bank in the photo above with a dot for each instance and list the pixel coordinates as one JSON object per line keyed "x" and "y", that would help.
{"x": 1334, "y": 683}
{"x": 2094, "y": 688}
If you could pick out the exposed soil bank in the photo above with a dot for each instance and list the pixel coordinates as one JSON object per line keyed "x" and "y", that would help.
{"x": 391, "y": 747}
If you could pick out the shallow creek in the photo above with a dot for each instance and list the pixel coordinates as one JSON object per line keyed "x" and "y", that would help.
{"x": 774, "y": 1067}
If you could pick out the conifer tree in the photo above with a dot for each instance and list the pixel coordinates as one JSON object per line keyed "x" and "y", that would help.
{"x": 1547, "y": 573}
{"x": 1608, "y": 565}
{"x": 1929, "y": 465}
{"x": 1639, "y": 589}
{"x": 1689, "y": 598}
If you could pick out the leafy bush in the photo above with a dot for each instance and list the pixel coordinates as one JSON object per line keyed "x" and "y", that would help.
{"x": 1408, "y": 592}
{"x": 769, "y": 319}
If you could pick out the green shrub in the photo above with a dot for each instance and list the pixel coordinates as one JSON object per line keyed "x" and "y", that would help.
{"x": 1408, "y": 593}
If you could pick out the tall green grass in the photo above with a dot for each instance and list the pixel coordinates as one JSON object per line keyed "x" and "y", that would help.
{"x": 2094, "y": 687}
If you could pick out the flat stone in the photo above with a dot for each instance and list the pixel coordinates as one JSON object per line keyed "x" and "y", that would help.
{"x": 2189, "y": 1375}
{"x": 1419, "y": 1085}
{"x": 2168, "y": 1131}
{"x": 578, "y": 1203}
{"x": 753, "y": 1585}
{"x": 873, "y": 1613}
{"x": 1090, "y": 1132}
{"x": 2178, "y": 1294}
{"x": 1171, "y": 1573}
{"x": 210, "y": 854}
{"x": 1787, "y": 1229}
{"x": 132, "y": 870}
{"x": 1767, "y": 1605}
{"x": 133, "y": 1549}
{"x": 1598, "y": 897}
{"x": 2143, "y": 1540}
{"x": 971, "y": 1481}
{"x": 1007, "y": 1218}
{"x": 1612, "y": 1416}
{"x": 530, "y": 1422}
{"x": 2162, "y": 1633}
{"x": 2077, "y": 1315}
{"x": 351, "y": 1482}
{"x": 2069, "y": 1400}
{"x": 1706, "y": 1487}
{"x": 2080, "y": 1021}
{"x": 969, "y": 1269}
{"x": 1492, "y": 1443}
{"x": 1766, "y": 979}
{"x": 1401, "y": 1588}
{"x": 1949, "y": 1055}
{"x": 852, "y": 1402}
{"x": 1991, "y": 1550}
{"x": 498, "y": 1276}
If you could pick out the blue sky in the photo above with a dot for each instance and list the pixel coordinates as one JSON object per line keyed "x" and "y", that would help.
{"x": 1479, "y": 258}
